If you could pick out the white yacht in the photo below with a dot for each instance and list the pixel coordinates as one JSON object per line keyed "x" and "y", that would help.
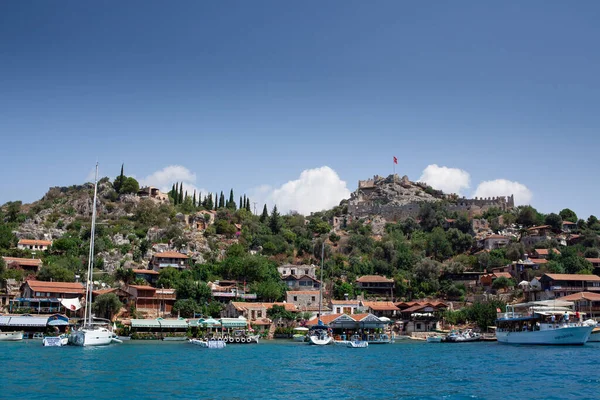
{"x": 11, "y": 336}
{"x": 90, "y": 334}
{"x": 320, "y": 335}
{"x": 546, "y": 322}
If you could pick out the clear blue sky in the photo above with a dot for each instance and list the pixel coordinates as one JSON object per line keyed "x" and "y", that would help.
{"x": 249, "y": 93}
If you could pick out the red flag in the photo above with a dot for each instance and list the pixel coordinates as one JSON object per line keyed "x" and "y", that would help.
{"x": 395, "y": 160}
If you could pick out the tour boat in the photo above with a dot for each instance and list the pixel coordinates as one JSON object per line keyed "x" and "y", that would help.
{"x": 545, "y": 322}
{"x": 90, "y": 333}
{"x": 209, "y": 343}
{"x": 11, "y": 336}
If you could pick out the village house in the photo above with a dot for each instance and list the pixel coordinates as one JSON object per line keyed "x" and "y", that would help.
{"x": 420, "y": 316}
{"x": 298, "y": 270}
{"x": 585, "y": 302}
{"x": 45, "y": 297}
{"x": 304, "y": 300}
{"x": 169, "y": 259}
{"x": 301, "y": 282}
{"x": 149, "y": 275}
{"x": 375, "y": 284}
{"x": 536, "y": 234}
{"x": 150, "y": 192}
{"x": 34, "y": 245}
{"x": 544, "y": 253}
{"x": 150, "y": 300}
{"x": 468, "y": 278}
{"x": 123, "y": 296}
{"x": 26, "y": 264}
{"x": 553, "y": 286}
{"x": 202, "y": 219}
{"x": 495, "y": 242}
{"x": 345, "y": 306}
{"x": 594, "y": 261}
{"x": 380, "y": 308}
{"x": 252, "y": 311}
{"x": 225, "y": 291}
{"x": 568, "y": 226}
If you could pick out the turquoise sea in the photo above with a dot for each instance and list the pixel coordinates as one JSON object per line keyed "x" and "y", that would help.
{"x": 287, "y": 370}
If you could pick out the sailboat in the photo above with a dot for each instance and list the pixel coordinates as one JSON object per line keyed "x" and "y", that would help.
{"x": 90, "y": 334}
{"x": 320, "y": 334}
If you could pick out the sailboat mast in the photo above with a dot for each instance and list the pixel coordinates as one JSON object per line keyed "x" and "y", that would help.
{"x": 321, "y": 286}
{"x": 87, "y": 319}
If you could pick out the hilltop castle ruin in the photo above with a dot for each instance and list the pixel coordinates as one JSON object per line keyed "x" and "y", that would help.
{"x": 396, "y": 199}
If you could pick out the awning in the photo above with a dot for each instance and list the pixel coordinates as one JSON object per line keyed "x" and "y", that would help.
{"x": 233, "y": 323}
{"x": 159, "y": 323}
{"x": 211, "y": 322}
{"x": 145, "y": 323}
{"x": 23, "y": 321}
{"x": 58, "y": 320}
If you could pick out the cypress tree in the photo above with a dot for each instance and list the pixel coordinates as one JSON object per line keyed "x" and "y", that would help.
{"x": 186, "y": 196}
{"x": 172, "y": 192}
{"x": 119, "y": 181}
{"x": 265, "y": 215}
{"x": 216, "y": 201}
{"x": 194, "y": 199}
{"x": 240, "y": 204}
{"x": 176, "y": 193}
{"x": 181, "y": 193}
{"x": 274, "y": 221}
{"x": 222, "y": 200}
{"x": 209, "y": 202}
{"x": 248, "y": 204}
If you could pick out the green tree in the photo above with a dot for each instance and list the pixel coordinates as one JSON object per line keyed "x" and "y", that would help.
{"x": 340, "y": 289}
{"x": 107, "y": 305}
{"x": 269, "y": 290}
{"x": 438, "y": 245}
{"x": 180, "y": 200}
{"x": 119, "y": 180}
{"x": 528, "y": 216}
{"x": 13, "y": 208}
{"x": 591, "y": 253}
{"x": 185, "y": 308}
{"x": 194, "y": 199}
{"x": 221, "y": 200}
{"x": 502, "y": 283}
{"x": 7, "y": 237}
{"x": 484, "y": 314}
{"x": 554, "y": 220}
{"x": 515, "y": 251}
{"x": 55, "y": 273}
{"x": 231, "y": 203}
{"x": 265, "y": 215}
{"x": 2, "y": 268}
{"x": 275, "y": 221}
{"x": 126, "y": 275}
{"x": 279, "y": 312}
{"x": 460, "y": 242}
{"x": 429, "y": 217}
{"x": 568, "y": 215}
{"x": 130, "y": 185}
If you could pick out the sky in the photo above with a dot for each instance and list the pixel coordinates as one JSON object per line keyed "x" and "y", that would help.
{"x": 293, "y": 103}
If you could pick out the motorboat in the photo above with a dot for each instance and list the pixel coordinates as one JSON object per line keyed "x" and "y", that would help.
{"x": 11, "y": 336}
{"x": 320, "y": 335}
{"x": 55, "y": 341}
{"x": 463, "y": 336}
{"x": 356, "y": 342}
{"x": 434, "y": 339}
{"x": 212, "y": 343}
{"x": 300, "y": 335}
{"x": 542, "y": 322}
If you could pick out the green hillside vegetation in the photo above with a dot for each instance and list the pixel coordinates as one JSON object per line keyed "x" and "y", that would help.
{"x": 416, "y": 253}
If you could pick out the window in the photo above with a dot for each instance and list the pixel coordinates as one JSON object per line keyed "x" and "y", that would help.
{"x": 295, "y": 298}
{"x": 418, "y": 327}
{"x": 338, "y": 310}
{"x": 259, "y": 313}
{"x": 38, "y": 294}
{"x": 305, "y": 272}
{"x": 293, "y": 272}
{"x": 313, "y": 298}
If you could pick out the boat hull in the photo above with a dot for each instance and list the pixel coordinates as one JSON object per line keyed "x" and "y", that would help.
{"x": 55, "y": 341}
{"x": 314, "y": 340}
{"x": 434, "y": 339}
{"x": 91, "y": 337}
{"x": 594, "y": 336}
{"x": 358, "y": 344}
{"x": 11, "y": 336}
{"x": 209, "y": 344}
{"x": 576, "y": 335}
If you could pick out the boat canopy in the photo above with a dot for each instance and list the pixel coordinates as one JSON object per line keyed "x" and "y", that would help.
{"x": 542, "y": 303}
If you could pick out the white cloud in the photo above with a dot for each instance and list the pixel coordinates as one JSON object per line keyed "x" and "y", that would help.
{"x": 315, "y": 190}
{"x": 449, "y": 180}
{"x": 166, "y": 177}
{"x": 504, "y": 187}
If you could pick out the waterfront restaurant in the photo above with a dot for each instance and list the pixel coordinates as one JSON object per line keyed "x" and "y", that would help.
{"x": 45, "y": 297}
{"x": 368, "y": 326}
{"x": 33, "y": 324}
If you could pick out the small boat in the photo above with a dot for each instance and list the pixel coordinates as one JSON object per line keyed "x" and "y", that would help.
{"x": 356, "y": 343}
{"x": 595, "y": 335}
{"x": 463, "y": 337}
{"x": 300, "y": 335}
{"x": 55, "y": 341}
{"x": 209, "y": 343}
{"x": 38, "y": 336}
{"x": 434, "y": 339}
{"x": 11, "y": 336}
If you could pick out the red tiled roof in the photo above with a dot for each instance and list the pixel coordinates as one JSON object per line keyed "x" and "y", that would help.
{"x": 170, "y": 254}
{"x": 573, "y": 277}
{"x": 538, "y": 260}
{"x": 104, "y": 291}
{"x": 145, "y": 271}
{"x": 30, "y": 242}
{"x": 533, "y": 228}
{"x": 326, "y": 319}
{"x": 545, "y": 252}
{"x": 343, "y": 302}
{"x": 380, "y": 305}
{"x": 502, "y": 275}
{"x": 594, "y": 260}
{"x": 56, "y": 287}
{"x": 32, "y": 262}
{"x": 374, "y": 279}
{"x": 569, "y": 223}
{"x": 142, "y": 287}
{"x": 581, "y": 296}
